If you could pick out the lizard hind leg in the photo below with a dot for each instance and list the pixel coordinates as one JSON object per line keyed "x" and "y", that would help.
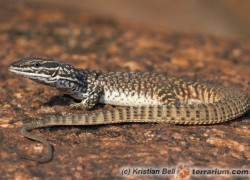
{"x": 25, "y": 132}
{"x": 166, "y": 94}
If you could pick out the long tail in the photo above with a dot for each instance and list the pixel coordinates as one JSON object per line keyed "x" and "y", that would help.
{"x": 233, "y": 104}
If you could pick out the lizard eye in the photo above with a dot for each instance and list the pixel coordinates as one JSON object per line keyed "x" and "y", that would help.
{"x": 37, "y": 64}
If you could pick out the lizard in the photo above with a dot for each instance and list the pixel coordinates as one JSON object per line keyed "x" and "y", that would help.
{"x": 147, "y": 97}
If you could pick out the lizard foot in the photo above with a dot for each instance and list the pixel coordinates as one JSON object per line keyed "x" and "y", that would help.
{"x": 77, "y": 106}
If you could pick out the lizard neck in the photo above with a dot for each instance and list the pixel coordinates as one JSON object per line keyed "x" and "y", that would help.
{"x": 78, "y": 86}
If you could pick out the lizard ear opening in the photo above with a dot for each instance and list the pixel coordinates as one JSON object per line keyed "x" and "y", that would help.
{"x": 55, "y": 73}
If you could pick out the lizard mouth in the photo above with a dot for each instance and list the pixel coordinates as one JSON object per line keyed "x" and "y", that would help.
{"x": 25, "y": 74}
{"x": 17, "y": 71}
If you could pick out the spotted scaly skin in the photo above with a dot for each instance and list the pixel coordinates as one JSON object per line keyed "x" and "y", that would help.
{"x": 148, "y": 97}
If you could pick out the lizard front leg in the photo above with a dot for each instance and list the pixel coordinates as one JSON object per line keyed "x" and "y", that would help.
{"x": 89, "y": 99}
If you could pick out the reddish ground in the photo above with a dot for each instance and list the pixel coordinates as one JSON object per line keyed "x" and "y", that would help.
{"x": 105, "y": 44}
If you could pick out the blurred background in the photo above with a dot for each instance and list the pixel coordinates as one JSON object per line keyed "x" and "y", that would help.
{"x": 218, "y": 17}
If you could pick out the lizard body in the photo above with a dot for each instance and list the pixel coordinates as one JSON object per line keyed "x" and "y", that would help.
{"x": 149, "y": 97}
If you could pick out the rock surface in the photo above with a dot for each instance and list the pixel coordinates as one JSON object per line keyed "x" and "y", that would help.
{"x": 107, "y": 44}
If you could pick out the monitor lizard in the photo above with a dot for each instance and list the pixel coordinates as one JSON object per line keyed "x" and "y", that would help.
{"x": 148, "y": 97}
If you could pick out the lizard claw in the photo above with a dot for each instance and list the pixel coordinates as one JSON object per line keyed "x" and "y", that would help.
{"x": 77, "y": 106}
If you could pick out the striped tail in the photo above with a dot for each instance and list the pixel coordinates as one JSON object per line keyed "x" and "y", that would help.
{"x": 233, "y": 104}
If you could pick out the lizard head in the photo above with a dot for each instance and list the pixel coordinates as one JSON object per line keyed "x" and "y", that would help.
{"x": 45, "y": 71}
